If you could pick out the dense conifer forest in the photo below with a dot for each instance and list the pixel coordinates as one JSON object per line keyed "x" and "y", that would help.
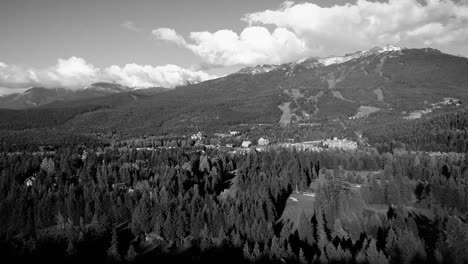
{"x": 119, "y": 204}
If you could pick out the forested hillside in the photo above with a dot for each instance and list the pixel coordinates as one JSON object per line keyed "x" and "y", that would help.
{"x": 443, "y": 132}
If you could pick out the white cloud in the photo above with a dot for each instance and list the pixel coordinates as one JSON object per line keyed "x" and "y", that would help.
{"x": 12, "y": 76}
{"x": 169, "y": 34}
{"x": 253, "y": 46}
{"x": 73, "y": 72}
{"x": 134, "y": 75}
{"x": 306, "y": 29}
{"x": 76, "y": 73}
{"x": 335, "y": 30}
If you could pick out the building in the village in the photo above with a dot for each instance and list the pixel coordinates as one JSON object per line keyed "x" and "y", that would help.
{"x": 343, "y": 144}
{"x": 197, "y": 136}
{"x": 30, "y": 181}
{"x": 246, "y": 144}
{"x": 263, "y": 141}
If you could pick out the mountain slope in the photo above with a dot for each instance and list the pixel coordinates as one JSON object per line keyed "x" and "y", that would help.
{"x": 38, "y": 96}
{"x": 384, "y": 82}
{"x": 33, "y": 97}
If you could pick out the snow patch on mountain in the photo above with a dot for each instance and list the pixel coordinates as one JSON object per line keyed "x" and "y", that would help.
{"x": 361, "y": 54}
{"x": 313, "y": 62}
{"x": 258, "y": 69}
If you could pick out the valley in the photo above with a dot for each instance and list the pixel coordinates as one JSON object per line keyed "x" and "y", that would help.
{"x": 320, "y": 160}
{"x": 234, "y": 132}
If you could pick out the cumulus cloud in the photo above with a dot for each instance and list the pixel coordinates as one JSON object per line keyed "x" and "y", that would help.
{"x": 307, "y": 29}
{"x": 438, "y": 23}
{"x": 134, "y": 75}
{"x": 253, "y": 45}
{"x": 72, "y": 72}
{"x": 12, "y": 76}
{"x": 76, "y": 73}
{"x": 169, "y": 34}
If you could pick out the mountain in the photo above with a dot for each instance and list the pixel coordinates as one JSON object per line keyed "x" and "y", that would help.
{"x": 107, "y": 87}
{"x": 385, "y": 79}
{"x": 380, "y": 84}
{"x": 33, "y": 97}
{"x": 38, "y": 96}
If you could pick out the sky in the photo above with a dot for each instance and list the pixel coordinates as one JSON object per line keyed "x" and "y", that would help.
{"x": 148, "y": 43}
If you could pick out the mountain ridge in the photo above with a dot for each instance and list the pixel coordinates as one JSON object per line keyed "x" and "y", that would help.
{"x": 39, "y": 96}
{"x": 381, "y": 85}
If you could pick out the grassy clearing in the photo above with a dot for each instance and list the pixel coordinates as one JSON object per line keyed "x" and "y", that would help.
{"x": 297, "y": 203}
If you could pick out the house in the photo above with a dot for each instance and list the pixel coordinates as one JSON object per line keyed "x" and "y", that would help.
{"x": 246, "y": 144}
{"x": 197, "y": 136}
{"x": 29, "y": 181}
{"x": 263, "y": 141}
{"x": 84, "y": 155}
{"x": 343, "y": 144}
{"x": 234, "y": 133}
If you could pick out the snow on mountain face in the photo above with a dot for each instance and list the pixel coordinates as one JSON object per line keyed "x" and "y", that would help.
{"x": 308, "y": 62}
{"x": 258, "y": 69}
{"x": 312, "y": 62}
{"x": 360, "y": 54}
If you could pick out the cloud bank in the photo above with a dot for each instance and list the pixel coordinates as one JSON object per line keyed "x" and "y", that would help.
{"x": 227, "y": 48}
{"x": 306, "y": 29}
{"x": 169, "y": 76}
{"x": 76, "y": 73}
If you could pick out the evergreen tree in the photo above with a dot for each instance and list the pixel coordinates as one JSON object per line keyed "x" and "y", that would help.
{"x": 360, "y": 257}
{"x": 332, "y": 254}
{"x": 374, "y": 256}
{"x": 390, "y": 241}
{"x": 113, "y": 251}
{"x": 302, "y": 258}
{"x": 71, "y": 251}
{"x": 131, "y": 254}
{"x": 338, "y": 230}
{"x": 246, "y": 252}
{"x": 457, "y": 239}
{"x": 256, "y": 254}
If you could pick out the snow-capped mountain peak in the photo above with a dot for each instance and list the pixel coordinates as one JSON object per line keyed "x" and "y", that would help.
{"x": 312, "y": 62}
{"x": 258, "y": 69}
{"x": 388, "y": 48}
{"x": 359, "y": 54}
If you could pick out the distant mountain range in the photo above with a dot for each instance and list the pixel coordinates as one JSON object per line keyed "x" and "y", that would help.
{"x": 38, "y": 96}
{"x": 380, "y": 82}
